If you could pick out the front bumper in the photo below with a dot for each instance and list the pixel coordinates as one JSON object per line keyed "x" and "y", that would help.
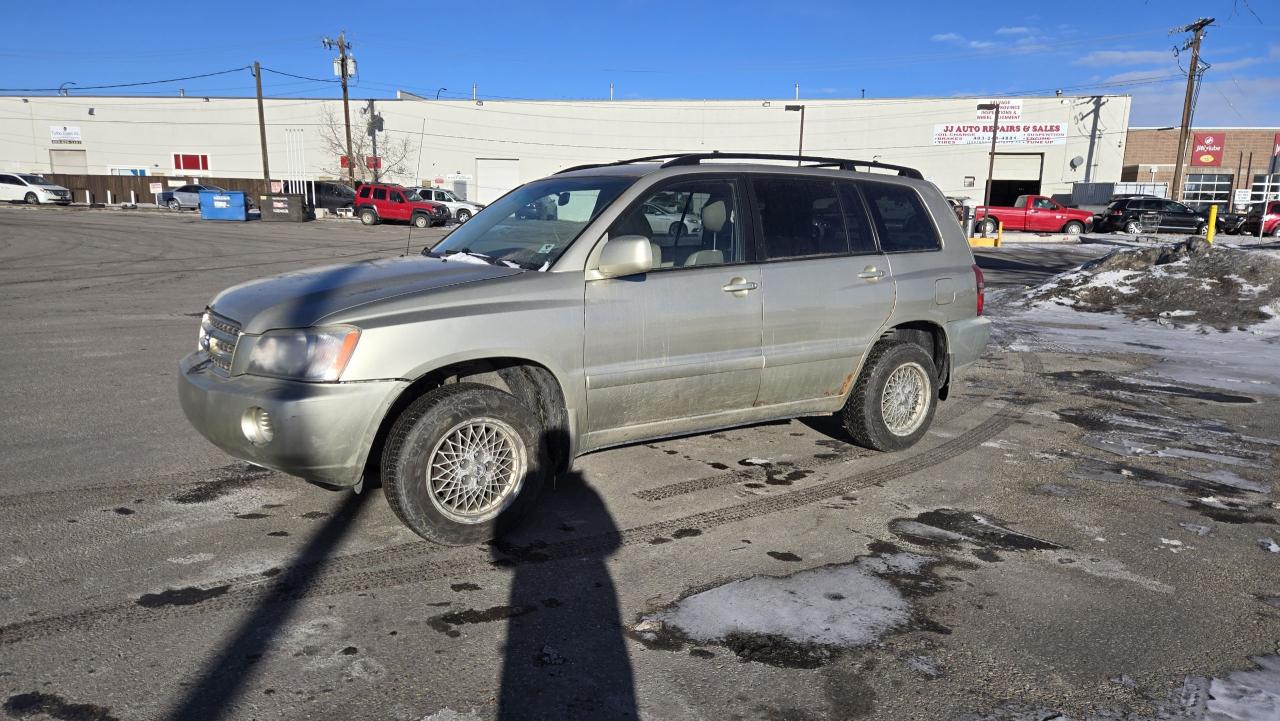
{"x": 322, "y": 431}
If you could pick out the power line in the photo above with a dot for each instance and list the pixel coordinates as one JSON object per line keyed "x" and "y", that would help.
{"x": 301, "y": 77}
{"x": 128, "y": 85}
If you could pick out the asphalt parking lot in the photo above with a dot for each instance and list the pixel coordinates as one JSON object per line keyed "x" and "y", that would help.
{"x": 1007, "y": 568}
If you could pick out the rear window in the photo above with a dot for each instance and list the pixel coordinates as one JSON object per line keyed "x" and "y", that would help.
{"x": 799, "y": 218}
{"x": 900, "y": 219}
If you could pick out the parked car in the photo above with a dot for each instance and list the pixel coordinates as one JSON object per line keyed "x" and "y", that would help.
{"x": 1036, "y": 213}
{"x": 674, "y": 223}
{"x": 540, "y": 209}
{"x": 331, "y": 196}
{"x": 1228, "y": 222}
{"x": 187, "y": 196}
{"x": 32, "y": 189}
{"x": 957, "y": 207}
{"x": 378, "y": 202}
{"x": 1270, "y": 221}
{"x": 467, "y": 377}
{"x": 461, "y": 210}
{"x": 1141, "y": 213}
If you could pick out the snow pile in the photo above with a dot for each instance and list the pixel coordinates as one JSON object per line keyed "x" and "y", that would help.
{"x": 838, "y": 606}
{"x": 1188, "y": 283}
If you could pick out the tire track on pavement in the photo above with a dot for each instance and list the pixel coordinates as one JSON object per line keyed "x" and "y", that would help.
{"x": 332, "y": 580}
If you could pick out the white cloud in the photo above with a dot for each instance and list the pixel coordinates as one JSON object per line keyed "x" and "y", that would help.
{"x": 1103, "y": 58}
{"x": 1223, "y": 103}
{"x": 1230, "y": 65}
{"x": 981, "y": 44}
{"x": 946, "y": 38}
{"x": 1015, "y": 30}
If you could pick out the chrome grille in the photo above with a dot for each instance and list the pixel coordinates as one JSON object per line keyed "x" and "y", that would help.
{"x": 218, "y": 337}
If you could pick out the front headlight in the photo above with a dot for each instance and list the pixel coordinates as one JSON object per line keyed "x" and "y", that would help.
{"x": 308, "y": 354}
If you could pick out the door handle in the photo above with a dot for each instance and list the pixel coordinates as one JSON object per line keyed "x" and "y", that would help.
{"x": 739, "y": 286}
{"x": 871, "y": 272}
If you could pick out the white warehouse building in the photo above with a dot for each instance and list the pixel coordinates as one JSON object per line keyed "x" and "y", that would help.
{"x": 484, "y": 148}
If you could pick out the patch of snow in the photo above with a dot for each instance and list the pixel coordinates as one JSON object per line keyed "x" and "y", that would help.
{"x": 1269, "y": 544}
{"x": 193, "y": 558}
{"x": 753, "y": 461}
{"x": 1211, "y": 457}
{"x": 1252, "y": 695}
{"x": 1224, "y": 477}
{"x": 448, "y": 714}
{"x": 849, "y": 605}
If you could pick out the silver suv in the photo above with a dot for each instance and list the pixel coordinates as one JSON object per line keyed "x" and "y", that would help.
{"x": 468, "y": 376}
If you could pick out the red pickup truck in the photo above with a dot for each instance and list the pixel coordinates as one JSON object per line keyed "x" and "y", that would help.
{"x": 1035, "y": 213}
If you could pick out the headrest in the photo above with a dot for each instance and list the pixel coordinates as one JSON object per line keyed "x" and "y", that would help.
{"x": 713, "y": 216}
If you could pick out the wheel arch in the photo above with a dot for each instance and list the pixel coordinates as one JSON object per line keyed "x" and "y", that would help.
{"x": 530, "y": 381}
{"x": 933, "y": 338}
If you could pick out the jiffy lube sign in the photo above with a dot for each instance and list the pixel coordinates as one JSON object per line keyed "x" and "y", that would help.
{"x": 1206, "y": 149}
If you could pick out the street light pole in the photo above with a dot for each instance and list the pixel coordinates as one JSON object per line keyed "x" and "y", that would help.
{"x": 800, "y": 148}
{"x": 991, "y": 162}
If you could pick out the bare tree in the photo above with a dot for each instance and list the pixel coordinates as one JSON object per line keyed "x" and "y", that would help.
{"x": 394, "y": 152}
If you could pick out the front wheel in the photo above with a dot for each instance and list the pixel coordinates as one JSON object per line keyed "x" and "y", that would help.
{"x": 1202, "y": 229}
{"x": 1075, "y": 227}
{"x": 368, "y": 217}
{"x": 421, "y": 221}
{"x": 677, "y": 230}
{"x": 174, "y": 204}
{"x": 32, "y": 199}
{"x": 1276, "y": 233}
{"x": 893, "y": 402}
{"x": 463, "y": 463}
{"x": 463, "y": 215}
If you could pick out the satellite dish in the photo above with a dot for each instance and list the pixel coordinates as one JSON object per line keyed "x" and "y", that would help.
{"x": 1076, "y": 162}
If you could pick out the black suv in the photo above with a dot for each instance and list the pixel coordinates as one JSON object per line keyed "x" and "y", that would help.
{"x": 331, "y": 196}
{"x": 1135, "y": 215}
{"x": 1228, "y": 222}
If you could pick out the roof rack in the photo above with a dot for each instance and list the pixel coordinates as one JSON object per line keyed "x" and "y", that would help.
{"x": 678, "y": 159}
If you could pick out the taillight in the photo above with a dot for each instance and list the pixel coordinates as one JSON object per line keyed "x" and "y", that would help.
{"x": 981, "y": 285}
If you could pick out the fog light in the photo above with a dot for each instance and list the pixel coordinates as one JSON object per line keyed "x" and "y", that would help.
{"x": 256, "y": 426}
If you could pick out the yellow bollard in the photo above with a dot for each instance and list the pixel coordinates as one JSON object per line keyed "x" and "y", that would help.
{"x": 1213, "y": 222}
{"x": 999, "y": 232}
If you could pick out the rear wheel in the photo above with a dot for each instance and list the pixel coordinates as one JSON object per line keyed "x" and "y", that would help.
{"x": 368, "y": 217}
{"x": 463, "y": 215}
{"x": 32, "y": 199}
{"x": 677, "y": 230}
{"x": 989, "y": 225}
{"x": 463, "y": 463}
{"x": 1132, "y": 228}
{"x": 1202, "y": 229}
{"x": 893, "y": 402}
{"x": 421, "y": 221}
{"x": 1075, "y": 227}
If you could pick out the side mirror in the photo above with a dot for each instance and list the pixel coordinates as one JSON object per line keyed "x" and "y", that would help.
{"x": 563, "y": 199}
{"x": 626, "y": 255}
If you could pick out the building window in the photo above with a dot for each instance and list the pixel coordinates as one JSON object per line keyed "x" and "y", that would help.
{"x": 1260, "y": 187}
{"x": 187, "y": 161}
{"x": 1207, "y": 188}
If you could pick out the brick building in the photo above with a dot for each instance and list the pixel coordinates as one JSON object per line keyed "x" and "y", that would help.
{"x": 1239, "y": 161}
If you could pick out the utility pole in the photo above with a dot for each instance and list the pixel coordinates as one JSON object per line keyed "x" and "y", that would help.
{"x": 1193, "y": 74}
{"x": 262, "y": 124}
{"x": 991, "y": 163}
{"x": 1093, "y": 136}
{"x": 374, "y": 125}
{"x": 343, "y": 47}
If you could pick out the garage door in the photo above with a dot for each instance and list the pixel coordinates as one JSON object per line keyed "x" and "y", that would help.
{"x": 74, "y": 162}
{"x": 495, "y": 176}
{"x": 1017, "y": 167}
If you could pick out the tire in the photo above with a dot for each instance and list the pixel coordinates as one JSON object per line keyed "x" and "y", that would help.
{"x": 463, "y": 215}
{"x": 31, "y": 199}
{"x": 1202, "y": 229}
{"x": 1132, "y": 228}
{"x": 419, "y": 440}
{"x": 677, "y": 230}
{"x": 863, "y": 414}
{"x": 368, "y": 216}
{"x": 1075, "y": 227}
{"x": 174, "y": 204}
{"x": 421, "y": 221}
{"x": 1275, "y": 233}
{"x": 989, "y": 225}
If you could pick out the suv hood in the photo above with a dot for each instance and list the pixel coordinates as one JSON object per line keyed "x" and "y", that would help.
{"x": 304, "y": 298}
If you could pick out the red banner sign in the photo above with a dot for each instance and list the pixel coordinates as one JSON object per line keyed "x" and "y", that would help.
{"x": 1206, "y": 149}
{"x": 372, "y": 162}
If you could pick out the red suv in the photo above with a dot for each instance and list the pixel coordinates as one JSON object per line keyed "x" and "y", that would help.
{"x": 376, "y": 202}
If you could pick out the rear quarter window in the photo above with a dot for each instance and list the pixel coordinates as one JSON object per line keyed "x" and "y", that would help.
{"x": 900, "y": 219}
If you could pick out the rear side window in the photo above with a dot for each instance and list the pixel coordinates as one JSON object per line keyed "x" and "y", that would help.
{"x": 900, "y": 218}
{"x": 379, "y": 193}
{"x": 799, "y": 217}
{"x": 855, "y": 220}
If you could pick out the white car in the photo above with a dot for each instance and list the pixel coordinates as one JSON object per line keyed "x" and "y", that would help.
{"x": 459, "y": 210}
{"x": 672, "y": 223}
{"x": 32, "y": 189}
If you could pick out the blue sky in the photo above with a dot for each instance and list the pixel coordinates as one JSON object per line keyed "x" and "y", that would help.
{"x": 726, "y": 49}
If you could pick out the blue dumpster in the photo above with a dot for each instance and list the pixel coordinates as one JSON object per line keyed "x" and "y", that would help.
{"x": 223, "y": 205}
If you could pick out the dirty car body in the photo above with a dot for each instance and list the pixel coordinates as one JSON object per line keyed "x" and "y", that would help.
{"x": 795, "y": 278}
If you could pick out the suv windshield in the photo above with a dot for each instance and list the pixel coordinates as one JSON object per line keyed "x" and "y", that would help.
{"x": 533, "y": 225}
